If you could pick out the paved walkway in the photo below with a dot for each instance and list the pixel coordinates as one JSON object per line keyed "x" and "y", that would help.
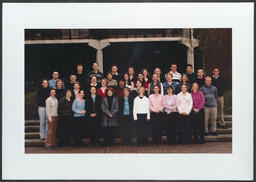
{"x": 210, "y": 147}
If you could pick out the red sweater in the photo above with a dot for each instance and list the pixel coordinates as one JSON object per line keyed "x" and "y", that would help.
{"x": 100, "y": 93}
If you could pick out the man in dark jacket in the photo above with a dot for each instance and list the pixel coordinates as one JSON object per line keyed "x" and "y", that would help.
{"x": 95, "y": 72}
{"x": 81, "y": 76}
{"x": 200, "y": 78}
{"x": 125, "y": 105}
{"x": 94, "y": 115}
{"x": 190, "y": 74}
{"x": 218, "y": 82}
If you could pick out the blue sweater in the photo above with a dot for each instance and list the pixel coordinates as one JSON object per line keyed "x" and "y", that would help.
{"x": 78, "y": 106}
{"x": 210, "y": 95}
{"x": 174, "y": 86}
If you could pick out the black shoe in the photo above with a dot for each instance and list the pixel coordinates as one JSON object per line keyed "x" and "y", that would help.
{"x": 206, "y": 133}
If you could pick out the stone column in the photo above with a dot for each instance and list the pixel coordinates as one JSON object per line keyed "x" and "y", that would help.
{"x": 99, "y": 45}
{"x": 191, "y": 43}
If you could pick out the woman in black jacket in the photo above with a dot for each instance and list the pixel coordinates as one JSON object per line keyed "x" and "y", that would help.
{"x": 65, "y": 114}
{"x": 125, "y": 105}
{"x": 60, "y": 91}
{"x": 94, "y": 116}
{"x": 41, "y": 96}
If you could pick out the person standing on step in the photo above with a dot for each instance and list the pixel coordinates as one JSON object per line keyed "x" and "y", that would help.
{"x": 75, "y": 91}
{"x": 70, "y": 84}
{"x": 134, "y": 93}
{"x": 143, "y": 82}
{"x": 128, "y": 83}
{"x": 110, "y": 81}
{"x": 218, "y": 82}
{"x": 146, "y": 77}
{"x": 52, "y": 82}
{"x": 176, "y": 75}
{"x": 93, "y": 83}
{"x": 156, "y": 107}
{"x": 102, "y": 90}
{"x": 141, "y": 116}
{"x": 120, "y": 89}
{"x": 131, "y": 75}
{"x": 81, "y": 76}
{"x": 95, "y": 72}
{"x": 60, "y": 91}
{"x": 94, "y": 116}
{"x": 210, "y": 106}
{"x": 65, "y": 123}
{"x": 78, "y": 107}
{"x": 41, "y": 96}
{"x": 160, "y": 77}
{"x": 171, "y": 115}
{"x": 197, "y": 114}
{"x": 184, "y": 80}
{"x": 52, "y": 115}
{"x": 155, "y": 81}
{"x": 116, "y": 76}
{"x": 109, "y": 106}
{"x": 190, "y": 74}
{"x": 168, "y": 83}
{"x": 125, "y": 116}
{"x": 185, "y": 104}
{"x": 200, "y": 80}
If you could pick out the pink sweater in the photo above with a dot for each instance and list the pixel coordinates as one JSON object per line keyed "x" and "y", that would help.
{"x": 156, "y": 102}
{"x": 198, "y": 100}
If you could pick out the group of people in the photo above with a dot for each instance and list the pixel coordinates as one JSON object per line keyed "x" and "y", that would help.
{"x": 185, "y": 105}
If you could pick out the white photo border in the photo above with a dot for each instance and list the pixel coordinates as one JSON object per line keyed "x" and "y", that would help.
{"x": 20, "y": 16}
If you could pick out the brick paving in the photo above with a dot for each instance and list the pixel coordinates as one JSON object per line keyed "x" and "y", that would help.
{"x": 211, "y": 147}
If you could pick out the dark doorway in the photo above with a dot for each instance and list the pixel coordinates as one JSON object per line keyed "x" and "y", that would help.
{"x": 145, "y": 55}
{"x": 41, "y": 60}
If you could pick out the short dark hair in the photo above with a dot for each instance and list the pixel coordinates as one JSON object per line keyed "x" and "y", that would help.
{"x": 169, "y": 87}
{"x": 110, "y": 88}
{"x": 109, "y": 72}
{"x": 189, "y": 65}
{"x": 79, "y": 64}
{"x": 93, "y": 87}
{"x": 113, "y": 65}
{"x": 68, "y": 90}
{"x": 215, "y": 67}
{"x": 95, "y": 62}
{"x": 174, "y": 64}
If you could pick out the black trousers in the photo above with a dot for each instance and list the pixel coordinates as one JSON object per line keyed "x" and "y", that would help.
{"x": 92, "y": 127}
{"x": 197, "y": 120}
{"x": 109, "y": 135}
{"x": 64, "y": 129}
{"x": 171, "y": 120}
{"x": 78, "y": 129}
{"x": 126, "y": 126}
{"x": 142, "y": 129}
{"x": 185, "y": 132}
{"x": 157, "y": 122}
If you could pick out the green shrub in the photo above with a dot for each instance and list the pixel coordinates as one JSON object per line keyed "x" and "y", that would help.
{"x": 31, "y": 109}
{"x": 228, "y": 102}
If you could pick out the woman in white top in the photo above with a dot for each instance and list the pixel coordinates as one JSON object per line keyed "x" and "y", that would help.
{"x": 52, "y": 115}
{"x": 141, "y": 116}
{"x": 185, "y": 104}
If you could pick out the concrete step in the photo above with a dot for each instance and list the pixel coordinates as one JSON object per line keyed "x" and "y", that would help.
{"x": 35, "y": 134}
{"x": 228, "y": 117}
{"x": 31, "y": 122}
{"x": 32, "y": 128}
{"x": 37, "y": 123}
{"x": 32, "y": 135}
{"x": 219, "y": 138}
{"x": 224, "y": 131}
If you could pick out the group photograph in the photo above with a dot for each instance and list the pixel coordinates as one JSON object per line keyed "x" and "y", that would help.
{"x": 128, "y": 90}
